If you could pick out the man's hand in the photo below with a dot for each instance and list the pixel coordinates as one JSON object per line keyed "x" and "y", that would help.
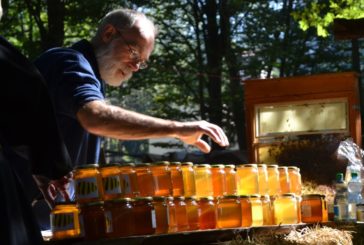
{"x": 191, "y": 133}
{"x": 51, "y": 188}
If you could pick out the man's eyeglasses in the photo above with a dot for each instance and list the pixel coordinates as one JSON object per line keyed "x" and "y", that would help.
{"x": 133, "y": 54}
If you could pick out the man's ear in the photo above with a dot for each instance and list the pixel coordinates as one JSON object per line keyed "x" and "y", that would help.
{"x": 107, "y": 33}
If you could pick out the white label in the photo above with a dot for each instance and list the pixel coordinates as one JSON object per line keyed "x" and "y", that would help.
{"x": 154, "y": 220}
{"x": 108, "y": 219}
{"x": 112, "y": 184}
{"x": 306, "y": 211}
{"x": 125, "y": 184}
{"x": 86, "y": 188}
{"x": 62, "y": 222}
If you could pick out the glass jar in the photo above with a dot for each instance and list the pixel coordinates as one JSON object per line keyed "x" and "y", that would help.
{"x": 246, "y": 211}
{"x": 203, "y": 180}
{"x": 92, "y": 220}
{"x": 247, "y": 179}
{"x": 188, "y": 175}
{"x": 274, "y": 187}
{"x": 207, "y": 216}
{"x": 177, "y": 179}
{"x": 119, "y": 215}
{"x": 88, "y": 183}
{"x": 263, "y": 179}
{"x": 181, "y": 213}
{"x": 285, "y": 209}
{"x": 230, "y": 179}
{"x": 161, "y": 215}
{"x": 171, "y": 210}
{"x": 284, "y": 179}
{"x": 192, "y": 213}
{"x": 257, "y": 210}
{"x": 267, "y": 210}
{"x": 162, "y": 178}
{"x": 65, "y": 221}
{"x": 313, "y": 208}
{"x": 295, "y": 182}
{"x": 144, "y": 214}
{"x": 218, "y": 180}
{"x": 129, "y": 181}
{"x": 145, "y": 180}
{"x": 110, "y": 175}
{"x": 228, "y": 212}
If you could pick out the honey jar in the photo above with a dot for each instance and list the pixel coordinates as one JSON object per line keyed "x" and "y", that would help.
{"x": 65, "y": 221}
{"x": 161, "y": 214}
{"x": 267, "y": 210}
{"x": 88, "y": 183}
{"x": 247, "y": 179}
{"x": 92, "y": 220}
{"x": 274, "y": 187}
{"x": 313, "y": 208}
{"x": 246, "y": 211}
{"x": 230, "y": 179}
{"x": 181, "y": 213}
{"x": 192, "y": 213}
{"x": 295, "y": 182}
{"x": 162, "y": 178}
{"x": 203, "y": 178}
{"x": 228, "y": 212}
{"x": 263, "y": 179}
{"x": 119, "y": 215}
{"x": 257, "y": 210}
{"x": 188, "y": 175}
{"x": 218, "y": 180}
{"x": 284, "y": 179}
{"x": 177, "y": 179}
{"x": 171, "y": 211}
{"x": 285, "y": 209}
{"x": 128, "y": 181}
{"x": 110, "y": 175}
{"x": 207, "y": 216}
{"x": 145, "y": 180}
{"x": 144, "y": 214}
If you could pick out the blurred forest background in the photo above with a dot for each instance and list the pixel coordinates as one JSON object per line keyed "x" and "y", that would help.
{"x": 204, "y": 52}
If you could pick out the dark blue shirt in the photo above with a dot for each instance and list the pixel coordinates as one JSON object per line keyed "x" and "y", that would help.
{"x": 73, "y": 80}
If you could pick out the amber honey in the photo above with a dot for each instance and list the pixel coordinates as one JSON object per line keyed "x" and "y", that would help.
{"x": 110, "y": 175}
{"x": 228, "y": 212}
{"x": 181, "y": 214}
{"x": 207, "y": 217}
{"x": 65, "y": 221}
{"x": 162, "y": 178}
{"x": 203, "y": 178}
{"x": 257, "y": 210}
{"x": 295, "y": 180}
{"x": 88, "y": 184}
{"x": 284, "y": 179}
{"x": 285, "y": 209}
{"x": 313, "y": 208}
{"x": 267, "y": 210}
{"x": 299, "y": 214}
{"x": 263, "y": 179}
{"x": 128, "y": 181}
{"x": 247, "y": 179}
{"x": 230, "y": 176}
{"x": 188, "y": 175}
{"x": 119, "y": 215}
{"x": 161, "y": 214}
{"x": 246, "y": 211}
{"x": 274, "y": 187}
{"x": 145, "y": 180}
{"x": 171, "y": 211}
{"x": 192, "y": 213}
{"x": 177, "y": 179}
{"x": 218, "y": 180}
{"x": 144, "y": 215}
{"x": 93, "y": 223}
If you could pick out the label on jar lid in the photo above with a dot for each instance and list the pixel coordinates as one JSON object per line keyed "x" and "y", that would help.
{"x": 306, "y": 211}
{"x": 112, "y": 184}
{"x": 62, "y": 222}
{"x": 125, "y": 184}
{"x": 86, "y": 188}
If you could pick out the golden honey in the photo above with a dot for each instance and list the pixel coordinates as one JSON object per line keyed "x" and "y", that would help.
{"x": 285, "y": 209}
{"x": 228, "y": 212}
{"x": 207, "y": 217}
{"x": 65, "y": 221}
{"x": 110, "y": 175}
{"x": 247, "y": 179}
{"x": 145, "y": 180}
{"x": 257, "y": 210}
{"x": 88, "y": 184}
{"x": 144, "y": 215}
{"x": 181, "y": 214}
{"x": 295, "y": 180}
{"x": 192, "y": 213}
{"x": 162, "y": 178}
{"x": 284, "y": 179}
{"x": 93, "y": 223}
{"x": 274, "y": 187}
{"x": 203, "y": 178}
{"x": 128, "y": 181}
{"x": 263, "y": 179}
{"x": 161, "y": 214}
{"x": 188, "y": 175}
{"x": 313, "y": 208}
{"x": 218, "y": 180}
{"x": 177, "y": 179}
{"x": 230, "y": 179}
{"x": 246, "y": 211}
{"x": 267, "y": 210}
